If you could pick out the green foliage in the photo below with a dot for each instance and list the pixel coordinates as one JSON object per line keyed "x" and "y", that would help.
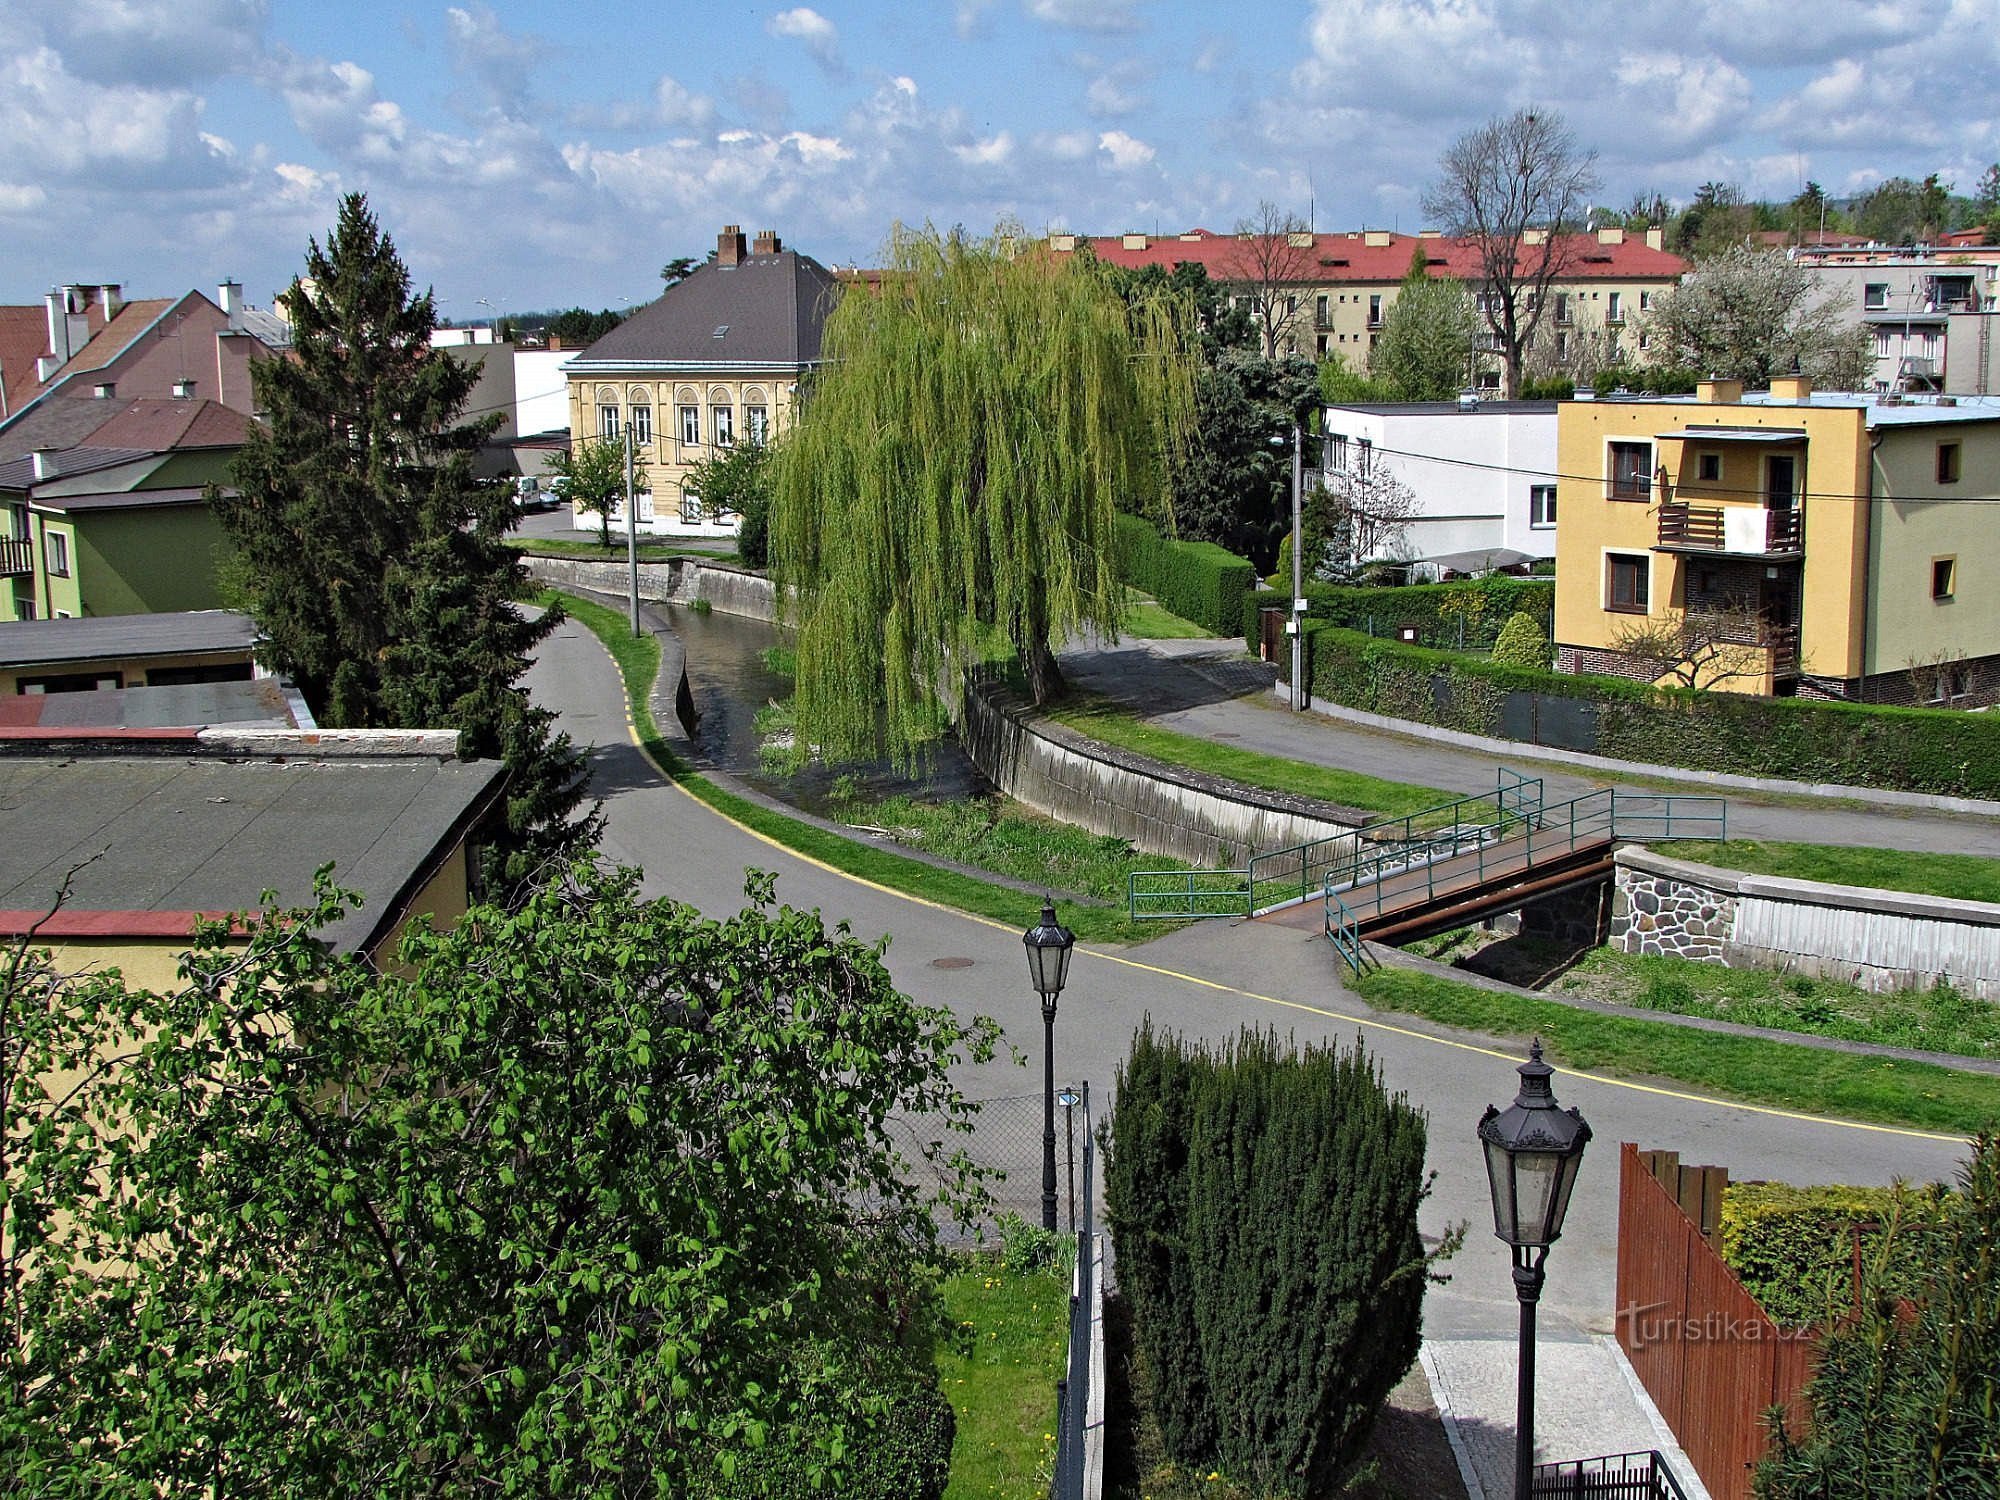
{"x": 1000, "y": 1368}
{"x": 1650, "y": 380}
{"x": 1340, "y": 386}
{"x": 1795, "y": 1248}
{"x": 1905, "y": 1398}
{"x": 1548, "y": 388}
{"x": 376, "y": 563}
{"x": 738, "y": 482}
{"x": 977, "y": 426}
{"x": 577, "y": 1198}
{"x": 590, "y": 475}
{"x": 1905, "y": 749}
{"x": 1435, "y": 610}
{"x": 1263, "y": 1203}
{"x": 1198, "y": 581}
{"x": 1523, "y": 643}
{"x": 1748, "y": 314}
{"x": 576, "y": 326}
{"x": 1233, "y": 486}
{"x": 1426, "y": 343}
{"x": 1026, "y": 1247}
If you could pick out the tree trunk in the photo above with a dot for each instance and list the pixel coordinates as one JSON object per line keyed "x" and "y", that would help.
{"x": 1031, "y": 649}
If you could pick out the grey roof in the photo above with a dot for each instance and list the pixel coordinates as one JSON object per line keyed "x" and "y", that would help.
{"x": 765, "y": 310}
{"x": 107, "y": 637}
{"x": 212, "y": 835}
{"x": 259, "y": 704}
{"x": 1878, "y": 411}
{"x": 266, "y": 326}
{"x": 19, "y": 473}
{"x": 1443, "y": 408}
{"x": 60, "y": 423}
{"x": 125, "y": 499}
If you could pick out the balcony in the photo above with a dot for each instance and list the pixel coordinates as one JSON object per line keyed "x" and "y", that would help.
{"x": 17, "y": 559}
{"x": 1735, "y": 530}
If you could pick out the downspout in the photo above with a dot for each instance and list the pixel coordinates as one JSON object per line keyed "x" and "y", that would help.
{"x": 1868, "y": 550}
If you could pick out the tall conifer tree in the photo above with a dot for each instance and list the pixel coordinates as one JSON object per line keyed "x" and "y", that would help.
{"x": 372, "y": 556}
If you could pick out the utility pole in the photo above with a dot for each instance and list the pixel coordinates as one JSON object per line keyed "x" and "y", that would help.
{"x": 631, "y": 531}
{"x": 1298, "y": 564}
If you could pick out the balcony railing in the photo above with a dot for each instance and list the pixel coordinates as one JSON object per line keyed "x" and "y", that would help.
{"x": 1736, "y": 529}
{"x": 17, "y": 558}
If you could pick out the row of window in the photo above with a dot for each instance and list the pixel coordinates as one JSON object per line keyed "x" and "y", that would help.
{"x": 1632, "y": 472}
{"x": 55, "y": 544}
{"x": 721, "y": 424}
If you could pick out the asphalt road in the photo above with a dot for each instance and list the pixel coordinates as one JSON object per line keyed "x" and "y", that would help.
{"x": 1209, "y": 981}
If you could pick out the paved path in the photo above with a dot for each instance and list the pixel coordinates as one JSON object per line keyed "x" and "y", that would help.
{"x": 1211, "y": 690}
{"x": 1208, "y": 982}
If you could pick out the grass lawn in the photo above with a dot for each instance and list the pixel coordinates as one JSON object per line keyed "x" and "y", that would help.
{"x": 1119, "y": 727}
{"x": 1812, "y": 1081}
{"x": 1966, "y": 877}
{"x": 638, "y": 660}
{"x": 1001, "y": 1379}
{"x": 1146, "y": 620}
{"x": 648, "y": 551}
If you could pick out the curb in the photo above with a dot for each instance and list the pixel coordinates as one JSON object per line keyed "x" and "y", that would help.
{"x": 1474, "y": 1490}
{"x": 1668, "y": 1444}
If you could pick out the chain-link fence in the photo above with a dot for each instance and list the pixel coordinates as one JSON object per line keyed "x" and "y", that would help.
{"x": 1005, "y": 1141}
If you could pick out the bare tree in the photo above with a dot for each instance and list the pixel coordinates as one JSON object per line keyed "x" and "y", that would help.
{"x": 1579, "y": 350}
{"x": 1748, "y": 315}
{"x": 1699, "y": 648}
{"x": 1273, "y": 265}
{"x": 1368, "y": 516}
{"x": 1502, "y": 185}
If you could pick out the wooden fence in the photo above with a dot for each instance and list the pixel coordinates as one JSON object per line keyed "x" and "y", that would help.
{"x": 1711, "y": 1359}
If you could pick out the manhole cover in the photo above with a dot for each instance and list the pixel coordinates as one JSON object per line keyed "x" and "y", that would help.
{"x": 951, "y": 963}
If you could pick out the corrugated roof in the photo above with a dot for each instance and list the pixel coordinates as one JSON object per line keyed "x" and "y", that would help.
{"x": 26, "y": 643}
{"x": 1347, "y": 257}
{"x": 766, "y": 310}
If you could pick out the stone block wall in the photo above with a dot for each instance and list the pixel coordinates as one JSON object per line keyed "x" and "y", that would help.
{"x": 1671, "y": 915}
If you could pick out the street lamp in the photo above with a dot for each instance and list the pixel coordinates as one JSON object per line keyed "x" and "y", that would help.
{"x": 1533, "y": 1151}
{"x": 1048, "y": 946}
{"x": 1069, "y": 1099}
{"x": 1296, "y": 617}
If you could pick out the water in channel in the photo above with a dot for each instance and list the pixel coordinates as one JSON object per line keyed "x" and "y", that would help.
{"x": 730, "y": 682}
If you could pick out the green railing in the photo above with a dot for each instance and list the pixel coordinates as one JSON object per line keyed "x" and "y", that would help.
{"x": 1343, "y": 930}
{"x": 1181, "y": 895}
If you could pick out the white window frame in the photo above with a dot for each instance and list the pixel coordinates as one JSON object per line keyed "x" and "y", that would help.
{"x": 1364, "y": 456}
{"x": 1336, "y": 452}
{"x": 722, "y": 423}
{"x": 55, "y": 553}
{"x": 642, "y": 426}
{"x": 757, "y": 422}
{"x": 1542, "y": 507}
{"x": 607, "y": 423}
{"x": 1874, "y": 296}
{"x": 1614, "y": 307}
{"x": 692, "y": 511}
{"x": 691, "y": 426}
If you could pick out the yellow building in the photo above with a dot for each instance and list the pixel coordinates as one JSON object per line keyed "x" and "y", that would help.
{"x": 714, "y": 362}
{"x": 1784, "y": 543}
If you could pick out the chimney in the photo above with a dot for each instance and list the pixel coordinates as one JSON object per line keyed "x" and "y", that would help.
{"x": 229, "y": 297}
{"x": 105, "y": 391}
{"x": 57, "y": 303}
{"x": 184, "y": 390}
{"x": 1716, "y": 391}
{"x": 1375, "y": 238}
{"x": 76, "y": 313}
{"x": 766, "y": 243}
{"x": 1791, "y": 388}
{"x": 1132, "y": 242}
{"x": 44, "y": 460}
{"x": 110, "y": 297}
{"x": 1534, "y": 236}
{"x": 1300, "y": 239}
{"x": 1062, "y": 242}
{"x": 1610, "y": 236}
{"x": 729, "y": 245}
{"x": 1656, "y": 238}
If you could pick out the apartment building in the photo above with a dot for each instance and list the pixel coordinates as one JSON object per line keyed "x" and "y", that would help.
{"x": 1907, "y": 297}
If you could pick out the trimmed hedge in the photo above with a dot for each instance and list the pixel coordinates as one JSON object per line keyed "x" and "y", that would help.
{"x": 1793, "y": 1247}
{"x": 1263, "y": 1208}
{"x": 1427, "y": 606}
{"x": 1902, "y": 749}
{"x": 1198, "y": 581}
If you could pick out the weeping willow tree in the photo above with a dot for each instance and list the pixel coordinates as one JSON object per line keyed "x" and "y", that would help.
{"x": 975, "y": 427}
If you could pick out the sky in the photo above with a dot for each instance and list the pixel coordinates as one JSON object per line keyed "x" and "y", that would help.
{"x": 530, "y": 154}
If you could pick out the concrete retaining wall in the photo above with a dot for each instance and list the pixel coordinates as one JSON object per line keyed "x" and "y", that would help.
{"x": 678, "y": 580}
{"x": 1204, "y": 820}
{"x": 1880, "y": 940}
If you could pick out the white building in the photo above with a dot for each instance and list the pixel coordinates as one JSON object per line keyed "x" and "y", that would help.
{"x": 1906, "y": 298}
{"x": 1483, "y": 474}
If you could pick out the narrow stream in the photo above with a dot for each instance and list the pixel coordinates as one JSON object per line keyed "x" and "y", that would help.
{"x": 730, "y": 682}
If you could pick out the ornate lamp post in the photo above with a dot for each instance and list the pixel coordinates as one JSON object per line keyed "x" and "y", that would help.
{"x": 1048, "y": 946}
{"x": 1533, "y": 1151}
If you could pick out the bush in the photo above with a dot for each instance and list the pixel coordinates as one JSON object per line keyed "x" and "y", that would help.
{"x": 1026, "y": 1247}
{"x": 1903, "y": 1395}
{"x": 1198, "y": 581}
{"x": 1907, "y": 749}
{"x": 1522, "y": 643}
{"x": 1263, "y": 1208}
{"x": 1793, "y": 1248}
{"x": 1429, "y": 607}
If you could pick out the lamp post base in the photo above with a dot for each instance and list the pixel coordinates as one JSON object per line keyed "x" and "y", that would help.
{"x": 1528, "y": 1278}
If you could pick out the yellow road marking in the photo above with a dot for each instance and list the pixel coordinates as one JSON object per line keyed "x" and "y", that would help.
{"x": 1347, "y": 1018}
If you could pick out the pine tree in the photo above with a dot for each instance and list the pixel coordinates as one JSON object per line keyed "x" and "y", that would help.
{"x": 373, "y": 556}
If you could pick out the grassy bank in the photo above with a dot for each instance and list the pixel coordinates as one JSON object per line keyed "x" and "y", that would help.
{"x": 638, "y": 660}
{"x": 1146, "y": 619}
{"x": 1963, "y": 877}
{"x": 541, "y": 546}
{"x": 1001, "y": 1379}
{"x": 1780, "y": 1074}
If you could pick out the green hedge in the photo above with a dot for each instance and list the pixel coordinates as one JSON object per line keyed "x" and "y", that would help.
{"x": 1793, "y": 1247}
{"x": 1198, "y": 581}
{"x": 1487, "y": 605}
{"x": 904, "y": 1454}
{"x": 1936, "y": 751}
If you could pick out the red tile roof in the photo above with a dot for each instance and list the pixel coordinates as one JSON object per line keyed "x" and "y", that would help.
{"x": 24, "y": 338}
{"x": 1347, "y": 257}
{"x": 155, "y": 424}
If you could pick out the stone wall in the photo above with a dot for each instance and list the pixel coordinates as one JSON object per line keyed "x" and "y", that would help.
{"x": 1880, "y": 940}
{"x": 1161, "y": 809}
{"x": 1577, "y": 918}
{"x": 678, "y": 580}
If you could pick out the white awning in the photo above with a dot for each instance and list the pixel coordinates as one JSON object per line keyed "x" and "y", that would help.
{"x": 1733, "y": 435}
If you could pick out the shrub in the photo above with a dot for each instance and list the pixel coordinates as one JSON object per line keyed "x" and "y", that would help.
{"x": 1028, "y": 1247}
{"x": 1522, "y": 643}
{"x": 1426, "y": 606}
{"x": 1793, "y": 1248}
{"x": 1263, "y": 1206}
{"x": 1903, "y": 1396}
{"x": 1198, "y": 581}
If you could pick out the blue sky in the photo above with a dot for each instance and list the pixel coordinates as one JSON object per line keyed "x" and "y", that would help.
{"x": 539, "y": 154}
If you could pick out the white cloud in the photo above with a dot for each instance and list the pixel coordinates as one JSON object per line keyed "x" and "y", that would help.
{"x": 21, "y": 197}
{"x": 1085, "y": 15}
{"x": 812, "y": 30}
{"x": 1125, "y": 152}
{"x": 1117, "y": 89}
{"x": 675, "y": 104}
{"x": 996, "y": 151}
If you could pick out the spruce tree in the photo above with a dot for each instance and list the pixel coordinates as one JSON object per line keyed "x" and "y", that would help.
{"x": 373, "y": 557}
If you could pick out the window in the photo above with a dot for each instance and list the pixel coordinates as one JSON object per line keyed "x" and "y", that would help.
{"x": 607, "y": 423}
{"x": 1881, "y": 343}
{"x": 1336, "y": 452}
{"x": 1375, "y": 310}
{"x": 1954, "y": 680}
{"x": 1628, "y": 583}
{"x": 723, "y": 420}
{"x": 55, "y": 553}
{"x": 691, "y": 426}
{"x": 1947, "y": 463}
{"x": 1708, "y": 468}
{"x": 1320, "y": 313}
{"x": 757, "y": 423}
{"x": 1645, "y": 302}
{"x": 1631, "y": 471}
{"x": 1320, "y": 341}
{"x": 1781, "y": 481}
{"x": 1875, "y": 294}
{"x": 25, "y": 608}
{"x": 1614, "y": 307}
{"x": 1944, "y": 578}
{"x": 1562, "y": 307}
{"x": 1562, "y": 342}
{"x": 642, "y": 425}
{"x": 691, "y": 514}
{"x": 1541, "y": 505}
{"x": 19, "y": 514}
{"x": 1364, "y": 456}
